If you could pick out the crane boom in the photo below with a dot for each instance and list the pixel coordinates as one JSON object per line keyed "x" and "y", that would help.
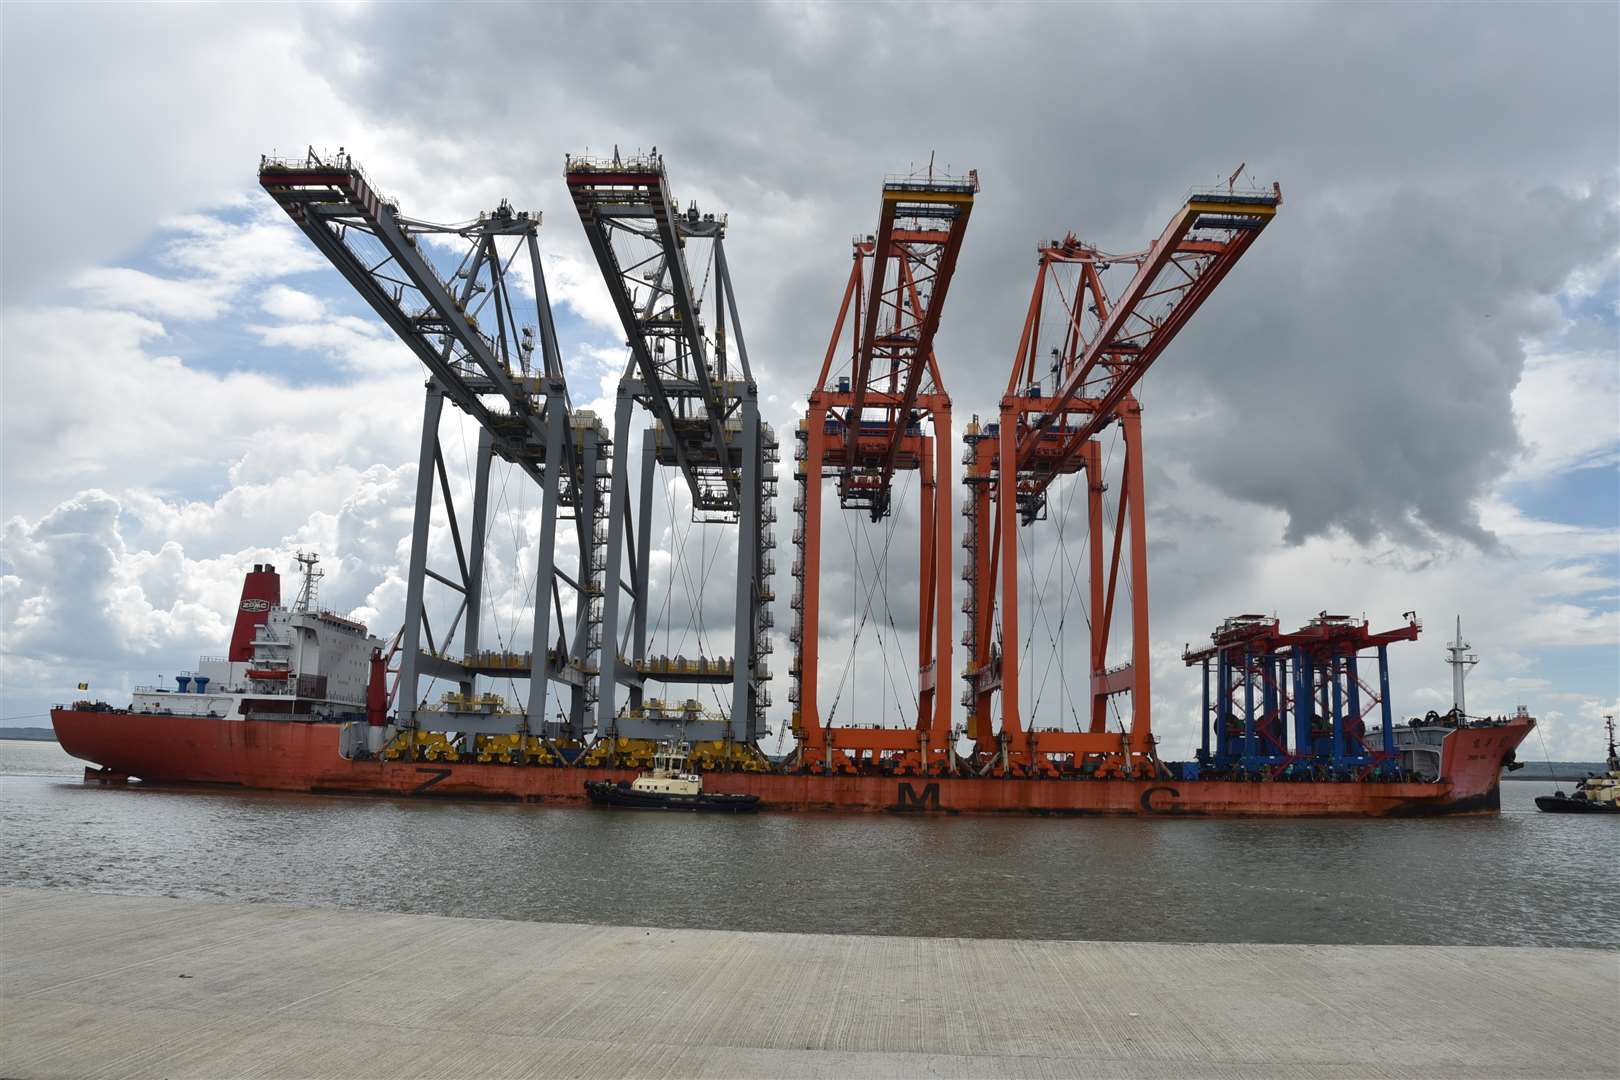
{"x": 1103, "y": 361}
{"x": 921, "y": 223}
{"x": 639, "y": 240}
{"x": 707, "y": 424}
{"x": 901, "y": 273}
{"x": 462, "y": 323}
{"x": 376, "y": 249}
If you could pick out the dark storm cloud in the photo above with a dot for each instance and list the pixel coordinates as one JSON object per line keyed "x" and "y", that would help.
{"x": 1382, "y": 310}
{"x": 1364, "y": 368}
{"x": 1360, "y": 362}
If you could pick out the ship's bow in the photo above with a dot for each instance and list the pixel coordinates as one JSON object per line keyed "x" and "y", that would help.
{"x": 1473, "y": 759}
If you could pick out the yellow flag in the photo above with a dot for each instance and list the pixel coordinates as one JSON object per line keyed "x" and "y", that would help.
{"x": 84, "y": 686}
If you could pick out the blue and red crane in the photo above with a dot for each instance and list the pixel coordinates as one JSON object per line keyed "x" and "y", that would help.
{"x": 1282, "y": 704}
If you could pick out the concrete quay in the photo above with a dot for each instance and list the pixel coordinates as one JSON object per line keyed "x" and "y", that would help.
{"x": 112, "y": 986}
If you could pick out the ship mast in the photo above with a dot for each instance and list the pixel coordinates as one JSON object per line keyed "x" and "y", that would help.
{"x": 1461, "y": 659}
{"x": 309, "y": 591}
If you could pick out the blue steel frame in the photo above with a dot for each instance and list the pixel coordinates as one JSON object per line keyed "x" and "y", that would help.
{"x": 1318, "y": 684}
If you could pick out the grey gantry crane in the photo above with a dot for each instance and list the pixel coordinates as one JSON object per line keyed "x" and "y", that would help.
{"x": 479, "y": 348}
{"x": 704, "y": 404}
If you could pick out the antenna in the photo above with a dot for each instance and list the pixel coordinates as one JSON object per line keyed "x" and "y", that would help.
{"x": 309, "y": 591}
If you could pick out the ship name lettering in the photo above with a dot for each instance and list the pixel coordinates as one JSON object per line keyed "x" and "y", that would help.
{"x": 909, "y": 799}
{"x": 1147, "y": 800}
{"x": 434, "y": 776}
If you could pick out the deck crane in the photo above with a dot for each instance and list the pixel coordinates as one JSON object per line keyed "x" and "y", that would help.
{"x": 704, "y": 403}
{"x": 861, "y": 428}
{"x": 1080, "y": 355}
{"x": 471, "y": 334}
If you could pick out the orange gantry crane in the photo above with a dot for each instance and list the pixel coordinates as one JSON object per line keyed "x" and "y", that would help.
{"x": 1081, "y": 353}
{"x": 890, "y": 412}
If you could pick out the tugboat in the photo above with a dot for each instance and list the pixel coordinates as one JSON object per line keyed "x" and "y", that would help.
{"x": 668, "y": 786}
{"x": 1595, "y": 794}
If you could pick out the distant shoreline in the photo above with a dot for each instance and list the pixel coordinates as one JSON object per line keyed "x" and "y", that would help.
{"x": 1561, "y": 771}
{"x": 29, "y": 734}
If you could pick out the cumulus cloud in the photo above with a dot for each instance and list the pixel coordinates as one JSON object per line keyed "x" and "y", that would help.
{"x": 291, "y": 304}
{"x": 573, "y": 282}
{"x": 101, "y": 407}
{"x": 103, "y": 584}
{"x": 1564, "y": 405}
{"x": 304, "y": 324}
{"x": 215, "y": 255}
{"x": 62, "y": 570}
{"x": 136, "y": 290}
{"x": 358, "y": 345}
{"x": 1333, "y": 430}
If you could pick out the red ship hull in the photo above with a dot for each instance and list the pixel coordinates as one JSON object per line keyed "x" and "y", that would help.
{"x": 291, "y": 756}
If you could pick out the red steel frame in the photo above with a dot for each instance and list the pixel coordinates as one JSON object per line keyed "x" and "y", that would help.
{"x": 1104, "y": 346}
{"x": 864, "y": 429}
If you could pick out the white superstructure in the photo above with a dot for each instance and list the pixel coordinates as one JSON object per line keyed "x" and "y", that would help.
{"x": 668, "y": 775}
{"x": 302, "y": 662}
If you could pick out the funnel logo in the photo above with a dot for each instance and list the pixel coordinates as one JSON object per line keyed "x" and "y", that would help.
{"x": 255, "y": 605}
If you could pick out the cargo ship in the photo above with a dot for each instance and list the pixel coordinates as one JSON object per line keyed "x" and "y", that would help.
{"x": 300, "y": 704}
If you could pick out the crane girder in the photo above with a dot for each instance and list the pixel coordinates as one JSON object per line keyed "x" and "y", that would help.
{"x": 639, "y": 239}
{"x": 1104, "y": 360}
{"x": 913, "y": 253}
{"x": 377, "y": 251}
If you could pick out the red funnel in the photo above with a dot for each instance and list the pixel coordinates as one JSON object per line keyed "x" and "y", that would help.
{"x": 261, "y": 591}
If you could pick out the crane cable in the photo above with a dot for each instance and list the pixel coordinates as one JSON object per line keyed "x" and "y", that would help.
{"x": 518, "y": 590}
{"x": 1040, "y": 608}
{"x": 1113, "y": 699}
{"x": 865, "y": 614}
{"x": 681, "y": 539}
{"x": 889, "y": 612}
{"x": 1056, "y": 642}
{"x": 483, "y": 563}
{"x": 678, "y": 541}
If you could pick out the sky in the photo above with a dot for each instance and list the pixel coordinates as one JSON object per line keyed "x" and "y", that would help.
{"x": 1406, "y": 397}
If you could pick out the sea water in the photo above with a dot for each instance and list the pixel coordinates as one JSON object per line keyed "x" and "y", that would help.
{"x": 1518, "y": 878}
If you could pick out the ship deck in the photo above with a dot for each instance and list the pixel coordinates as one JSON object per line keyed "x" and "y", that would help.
{"x": 145, "y": 986}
